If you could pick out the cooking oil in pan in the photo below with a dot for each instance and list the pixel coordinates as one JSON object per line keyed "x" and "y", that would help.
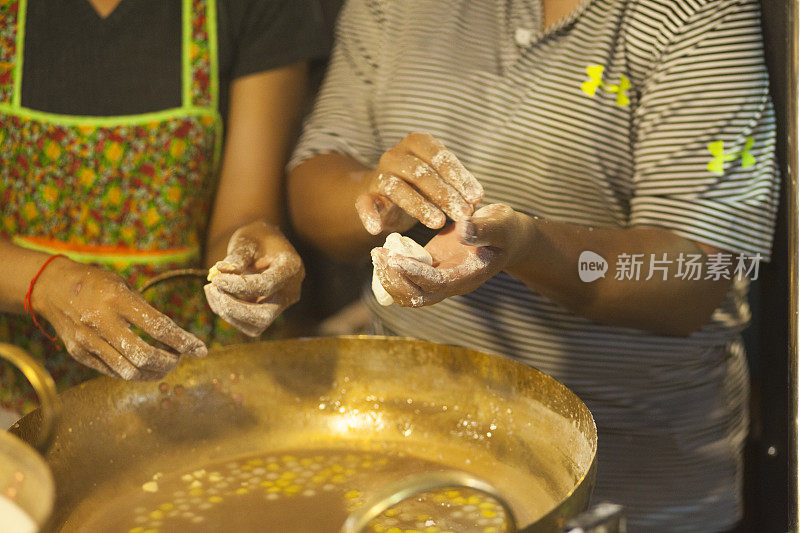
{"x": 299, "y": 492}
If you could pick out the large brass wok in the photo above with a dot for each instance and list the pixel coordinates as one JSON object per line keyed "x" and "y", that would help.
{"x": 467, "y": 410}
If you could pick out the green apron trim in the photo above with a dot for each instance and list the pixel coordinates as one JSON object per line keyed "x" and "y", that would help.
{"x": 213, "y": 56}
{"x": 211, "y": 17}
{"x": 22, "y": 11}
{"x": 186, "y": 40}
{"x": 187, "y": 108}
{"x": 106, "y": 121}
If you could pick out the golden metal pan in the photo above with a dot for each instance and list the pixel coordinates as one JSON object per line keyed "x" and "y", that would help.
{"x": 498, "y": 420}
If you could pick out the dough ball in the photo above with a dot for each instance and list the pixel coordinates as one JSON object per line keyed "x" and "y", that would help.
{"x": 404, "y": 246}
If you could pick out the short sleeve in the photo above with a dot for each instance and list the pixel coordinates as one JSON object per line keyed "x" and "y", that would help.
{"x": 704, "y": 134}
{"x": 268, "y": 34}
{"x": 342, "y": 120}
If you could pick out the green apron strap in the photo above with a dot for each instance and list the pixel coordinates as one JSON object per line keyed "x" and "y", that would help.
{"x": 200, "y": 57}
{"x": 210, "y": 95}
{"x": 211, "y": 18}
{"x": 186, "y": 59}
{"x": 22, "y": 10}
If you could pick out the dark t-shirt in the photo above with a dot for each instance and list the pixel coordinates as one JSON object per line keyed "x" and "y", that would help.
{"x": 77, "y": 63}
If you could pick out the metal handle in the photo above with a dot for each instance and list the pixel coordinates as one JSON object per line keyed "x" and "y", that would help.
{"x": 414, "y": 485}
{"x": 179, "y": 273}
{"x": 44, "y": 386}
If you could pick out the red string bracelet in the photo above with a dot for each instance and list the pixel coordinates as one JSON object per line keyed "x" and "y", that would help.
{"x": 29, "y": 305}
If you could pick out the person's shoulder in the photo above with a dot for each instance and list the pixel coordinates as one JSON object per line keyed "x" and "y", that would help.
{"x": 662, "y": 21}
{"x": 659, "y": 29}
{"x": 681, "y": 10}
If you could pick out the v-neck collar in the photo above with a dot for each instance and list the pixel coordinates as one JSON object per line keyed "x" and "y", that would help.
{"x": 115, "y": 14}
{"x": 513, "y": 44}
{"x": 565, "y": 21}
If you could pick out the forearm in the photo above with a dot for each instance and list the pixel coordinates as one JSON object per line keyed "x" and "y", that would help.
{"x": 19, "y": 267}
{"x": 322, "y": 197}
{"x": 548, "y": 264}
{"x": 263, "y": 117}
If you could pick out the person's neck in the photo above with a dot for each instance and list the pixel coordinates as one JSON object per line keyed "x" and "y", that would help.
{"x": 557, "y": 10}
{"x": 104, "y": 7}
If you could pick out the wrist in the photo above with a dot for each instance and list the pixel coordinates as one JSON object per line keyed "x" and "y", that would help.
{"x": 268, "y": 227}
{"x": 522, "y": 241}
{"x": 55, "y": 272}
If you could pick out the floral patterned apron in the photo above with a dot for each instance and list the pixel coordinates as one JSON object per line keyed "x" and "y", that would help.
{"x": 131, "y": 193}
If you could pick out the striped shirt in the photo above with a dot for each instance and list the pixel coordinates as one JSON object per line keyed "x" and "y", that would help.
{"x": 626, "y": 113}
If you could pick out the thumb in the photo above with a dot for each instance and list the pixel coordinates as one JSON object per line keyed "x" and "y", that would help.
{"x": 241, "y": 253}
{"x": 378, "y": 213}
{"x": 492, "y": 225}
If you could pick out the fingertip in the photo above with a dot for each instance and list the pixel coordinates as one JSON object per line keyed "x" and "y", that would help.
{"x": 195, "y": 347}
{"x": 129, "y": 373}
{"x": 199, "y": 351}
{"x": 373, "y": 226}
{"x": 474, "y": 187}
{"x": 252, "y": 333}
{"x": 370, "y": 221}
{"x": 475, "y": 194}
{"x": 436, "y": 221}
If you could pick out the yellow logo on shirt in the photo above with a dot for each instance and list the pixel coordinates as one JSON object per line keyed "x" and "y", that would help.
{"x": 595, "y": 81}
{"x": 721, "y": 157}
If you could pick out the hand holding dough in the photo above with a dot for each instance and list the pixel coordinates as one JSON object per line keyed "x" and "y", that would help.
{"x": 260, "y": 277}
{"x": 406, "y": 247}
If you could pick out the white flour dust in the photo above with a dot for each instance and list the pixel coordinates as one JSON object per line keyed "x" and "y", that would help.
{"x": 461, "y": 178}
{"x": 406, "y": 247}
{"x": 401, "y": 193}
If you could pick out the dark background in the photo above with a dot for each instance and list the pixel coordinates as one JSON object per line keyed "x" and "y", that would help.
{"x": 766, "y": 476}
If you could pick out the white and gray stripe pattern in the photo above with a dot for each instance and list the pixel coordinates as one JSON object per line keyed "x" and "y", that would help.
{"x": 688, "y": 147}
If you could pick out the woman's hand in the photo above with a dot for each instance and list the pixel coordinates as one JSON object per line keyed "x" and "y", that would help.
{"x": 465, "y": 255}
{"x": 92, "y": 310}
{"x": 417, "y": 179}
{"x": 260, "y": 277}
